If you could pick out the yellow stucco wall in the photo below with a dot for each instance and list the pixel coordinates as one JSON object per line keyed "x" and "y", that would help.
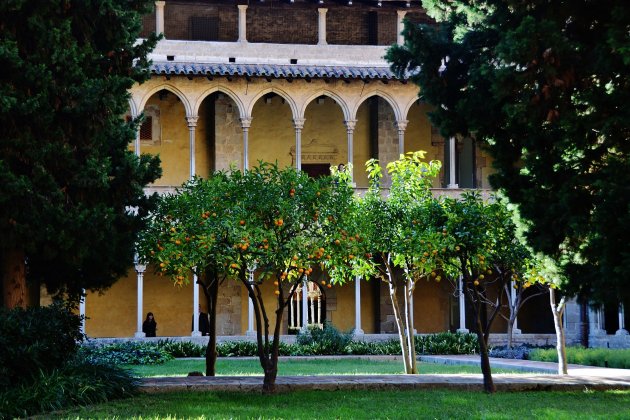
{"x": 430, "y": 307}
{"x": 418, "y": 134}
{"x": 272, "y": 133}
{"x": 113, "y": 314}
{"x": 325, "y": 123}
{"x": 361, "y": 145}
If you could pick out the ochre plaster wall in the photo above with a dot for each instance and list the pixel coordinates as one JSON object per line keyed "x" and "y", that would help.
{"x": 271, "y": 134}
{"x": 418, "y": 135}
{"x": 113, "y": 314}
{"x": 430, "y": 307}
{"x": 173, "y": 146}
{"x": 325, "y": 125}
{"x": 361, "y": 146}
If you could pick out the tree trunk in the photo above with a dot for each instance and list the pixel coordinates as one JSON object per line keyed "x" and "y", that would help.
{"x": 211, "y": 350}
{"x": 402, "y": 334}
{"x": 488, "y": 383}
{"x": 510, "y": 329}
{"x": 557, "y": 310}
{"x": 411, "y": 339}
{"x": 14, "y": 279}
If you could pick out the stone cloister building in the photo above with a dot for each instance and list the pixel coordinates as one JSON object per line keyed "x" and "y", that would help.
{"x": 305, "y": 84}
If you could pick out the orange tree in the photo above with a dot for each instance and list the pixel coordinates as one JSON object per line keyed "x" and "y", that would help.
{"x": 188, "y": 234}
{"x": 483, "y": 248}
{"x": 283, "y": 221}
{"x": 393, "y": 236}
{"x": 271, "y": 222}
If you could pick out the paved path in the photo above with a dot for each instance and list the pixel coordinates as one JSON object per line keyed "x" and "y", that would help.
{"x": 579, "y": 378}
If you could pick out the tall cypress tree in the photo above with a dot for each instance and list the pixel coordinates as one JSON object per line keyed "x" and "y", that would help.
{"x": 71, "y": 191}
{"x": 544, "y": 86}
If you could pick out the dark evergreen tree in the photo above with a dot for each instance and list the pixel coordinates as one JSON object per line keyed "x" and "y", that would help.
{"x": 71, "y": 191}
{"x": 544, "y": 86}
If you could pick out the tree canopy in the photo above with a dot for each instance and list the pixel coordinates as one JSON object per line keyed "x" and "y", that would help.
{"x": 71, "y": 192}
{"x": 543, "y": 86}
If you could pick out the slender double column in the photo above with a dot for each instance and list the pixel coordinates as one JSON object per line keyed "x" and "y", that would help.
{"x": 246, "y": 122}
{"x": 515, "y": 329}
{"x": 195, "y": 331}
{"x": 462, "y": 307}
{"x": 250, "y": 311}
{"x": 350, "y": 125}
{"x": 140, "y": 269}
{"x": 242, "y": 23}
{"x": 305, "y": 304}
{"x": 357, "y": 306}
{"x": 82, "y": 310}
{"x": 596, "y": 321}
{"x": 622, "y": 321}
{"x": 298, "y": 123}
{"x": 191, "y": 121}
{"x": 401, "y": 126}
{"x": 400, "y": 39}
{"x": 452, "y": 163}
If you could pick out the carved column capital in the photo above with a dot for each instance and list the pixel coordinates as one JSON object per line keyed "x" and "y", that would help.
{"x": 140, "y": 268}
{"x": 246, "y": 122}
{"x": 298, "y": 123}
{"x": 350, "y": 125}
{"x": 191, "y": 120}
{"x": 401, "y": 125}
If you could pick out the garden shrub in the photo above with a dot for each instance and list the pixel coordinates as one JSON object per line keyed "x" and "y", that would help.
{"x": 613, "y": 358}
{"x": 447, "y": 343}
{"x": 76, "y": 383}
{"x": 35, "y": 340}
{"x": 324, "y": 341}
{"x": 128, "y": 353}
{"x": 519, "y": 352}
{"x": 182, "y": 348}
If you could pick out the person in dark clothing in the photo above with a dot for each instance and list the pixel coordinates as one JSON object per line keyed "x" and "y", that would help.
{"x": 204, "y": 323}
{"x": 149, "y": 326}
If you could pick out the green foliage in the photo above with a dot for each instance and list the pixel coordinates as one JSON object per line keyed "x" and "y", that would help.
{"x": 612, "y": 358}
{"x": 542, "y": 86}
{"x": 324, "y": 341}
{"x": 78, "y": 383}
{"x": 181, "y": 348}
{"x": 447, "y": 343}
{"x": 36, "y": 340}
{"x": 67, "y": 177}
{"x": 127, "y": 353}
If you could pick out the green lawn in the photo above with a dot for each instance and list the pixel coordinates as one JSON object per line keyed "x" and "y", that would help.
{"x": 247, "y": 367}
{"x": 365, "y": 405}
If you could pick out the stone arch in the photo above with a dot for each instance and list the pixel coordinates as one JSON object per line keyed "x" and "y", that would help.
{"x": 133, "y": 109}
{"x": 233, "y": 96}
{"x": 408, "y": 107}
{"x": 340, "y": 101}
{"x": 173, "y": 90}
{"x": 387, "y": 98}
{"x": 279, "y": 92}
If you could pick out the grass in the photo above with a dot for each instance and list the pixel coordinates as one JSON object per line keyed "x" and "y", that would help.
{"x": 249, "y": 367}
{"x": 613, "y": 358}
{"x": 364, "y": 405}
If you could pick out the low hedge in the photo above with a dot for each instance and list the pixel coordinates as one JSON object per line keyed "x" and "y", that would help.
{"x": 315, "y": 343}
{"x": 613, "y": 358}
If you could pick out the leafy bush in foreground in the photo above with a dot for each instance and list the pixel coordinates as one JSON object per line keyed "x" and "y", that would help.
{"x": 129, "y": 353}
{"x": 77, "y": 383}
{"x": 324, "y": 341}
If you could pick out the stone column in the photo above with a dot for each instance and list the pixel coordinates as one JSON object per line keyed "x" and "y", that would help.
{"x": 399, "y": 27}
{"x": 350, "y": 125}
{"x": 195, "y": 331}
{"x": 82, "y": 311}
{"x": 596, "y": 323}
{"x": 401, "y": 125}
{"x": 242, "y": 23}
{"x": 515, "y": 329}
{"x": 357, "y": 306}
{"x": 192, "y": 125}
{"x": 159, "y": 17}
{"x": 245, "y": 124}
{"x": 140, "y": 269}
{"x": 250, "y": 311}
{"x": 322, "y": 26}
{"x": 622, "y": 322}
{"x": 452, "y": 167}
{"x": 299, "y": 125}
{"x": 305, "y": 304}
{"x": 462, "y": 308}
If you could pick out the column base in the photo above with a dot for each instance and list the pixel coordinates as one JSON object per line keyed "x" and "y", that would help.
{"x": 463, "y": 330}
{"x": 250, "y": 333}
{"x": 453, "y": 186}
{"x": 516, "y": 331}
{"x": 358, "y": 331}
{"x": 196, "y": 334}
{"x": 140, "y": 334}
{"x": 622, "y": 332}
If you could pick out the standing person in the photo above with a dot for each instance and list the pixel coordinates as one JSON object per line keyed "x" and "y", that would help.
{"x": 204, "y": 322}
{"x": 149, "y": 326}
